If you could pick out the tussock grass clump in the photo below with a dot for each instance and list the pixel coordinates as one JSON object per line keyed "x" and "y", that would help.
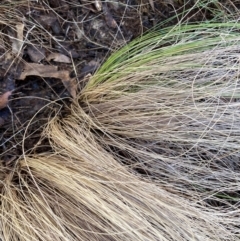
{"x": 150, "y": 150}
{"x": 173, "y": 110}
{"x": 82, "y": 193}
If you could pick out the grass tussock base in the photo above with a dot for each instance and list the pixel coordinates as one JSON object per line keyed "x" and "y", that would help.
{"x": 173, "y": 111}
{"x": 149, "y": 152}
{"x": 82, "y": 193}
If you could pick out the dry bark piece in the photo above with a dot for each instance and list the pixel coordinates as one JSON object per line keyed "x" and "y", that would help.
{"x": 4, "y": 99}
{"x": 39, "y": 70}
{"x": 58, "y": 58}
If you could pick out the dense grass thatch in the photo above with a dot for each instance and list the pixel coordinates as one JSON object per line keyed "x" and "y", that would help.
{"x": 172, "y": 110}
{"x": 149, "y": 152}
{"x": 81, "y": 193}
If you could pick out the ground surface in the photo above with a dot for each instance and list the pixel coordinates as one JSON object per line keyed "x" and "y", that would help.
{"x": 48, "y": 47}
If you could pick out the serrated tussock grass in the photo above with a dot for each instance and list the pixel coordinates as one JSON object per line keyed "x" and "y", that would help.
{"x": 150, "y": 150}
{"x": 173, "y": 108}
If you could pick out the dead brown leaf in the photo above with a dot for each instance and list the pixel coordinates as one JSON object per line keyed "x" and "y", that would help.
{"x": 71, "y": 86}
{"x": 58, "y": 58}
{"x": 50, "y": 71}
{"x": 36, "y": 54}
{"x": 50, "y": 21}
{"x": 90, "y": 67}
{"x": 39, "y": 70}
{"x": 4, "y": 99}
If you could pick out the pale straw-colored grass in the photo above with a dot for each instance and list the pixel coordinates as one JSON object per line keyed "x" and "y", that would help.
{"x": 81, "y": 193}
{"x": 169, "y": 107}
{"x": 149, "y": 152}
{"x": 177, "y": 113}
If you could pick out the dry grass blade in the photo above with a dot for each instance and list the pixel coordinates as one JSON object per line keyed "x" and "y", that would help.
{"x": 82, "y": 193}
{"x": 172, "y": 112}
{"x": 149, "y": 152}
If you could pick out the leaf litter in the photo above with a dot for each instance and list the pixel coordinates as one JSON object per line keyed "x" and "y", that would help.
{"x": 51, "y": 58}
{"x": 46, "y": 52}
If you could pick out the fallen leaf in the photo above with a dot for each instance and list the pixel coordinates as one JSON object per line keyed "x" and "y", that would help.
{"x": 90, "y": 67}
{"x": 71, "y": 86}
{"x": 4, "y": 99}
{"x": 39, "y": 70}
{"x": 50, "y": 71}
{"x": 51, "y": 21}
{"x": 58, "y": 58}
{"x": 36, "y": 54}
